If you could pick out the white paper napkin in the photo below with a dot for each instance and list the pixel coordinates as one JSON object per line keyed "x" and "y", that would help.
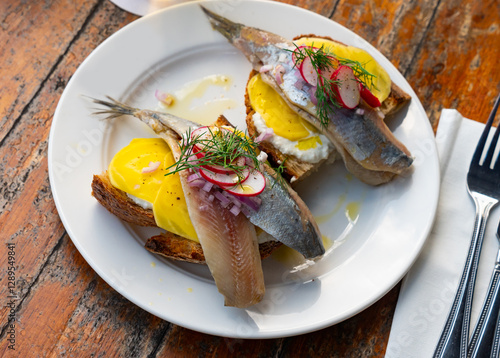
{"x": 429, "y": 287}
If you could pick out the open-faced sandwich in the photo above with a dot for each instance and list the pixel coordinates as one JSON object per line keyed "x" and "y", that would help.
{"x": 213, "y": 192}
{"x": 319, "y": 99}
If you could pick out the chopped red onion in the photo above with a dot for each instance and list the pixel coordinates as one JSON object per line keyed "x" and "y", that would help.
{"x": 279, "y": 71}
{"x": 312, "y": 94}
{"x": 265, "y": 68}
{"x": 250, "y": 202}
{"x": 208, "y": 186}
{"x": 223, "y": 200}
{"x": 360, "y": 111}
{"x": 164, "y": 98}
{"x": 235, "y": 210}
{"x": 268, "y": 133}
{"x": 193, "y": 177}
{"x": 233, "y": 198}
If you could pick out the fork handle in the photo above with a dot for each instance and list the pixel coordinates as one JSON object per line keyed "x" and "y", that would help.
{"x": 453, "y": 340}
{"x": 482, "y": 338}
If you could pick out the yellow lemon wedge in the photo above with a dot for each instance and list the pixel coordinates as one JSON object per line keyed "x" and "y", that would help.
{"x": 381, "y": 82}
{"x": 139, "y": 170}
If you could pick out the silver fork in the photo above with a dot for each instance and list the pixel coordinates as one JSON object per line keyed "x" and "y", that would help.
{"x": 483, "y": 185}
{"x": 481, "y": 343}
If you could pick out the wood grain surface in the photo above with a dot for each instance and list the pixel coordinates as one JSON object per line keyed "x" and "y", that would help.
{"x": 447, "y": 50}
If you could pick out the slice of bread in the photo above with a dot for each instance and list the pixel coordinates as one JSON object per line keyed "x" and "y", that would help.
{"x": 294, "y": 168}
{"x": 166, "y": 244}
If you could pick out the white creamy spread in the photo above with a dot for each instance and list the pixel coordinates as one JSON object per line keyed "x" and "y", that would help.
{"x": 142, "y": 203}
{"x": 312, "y": 155}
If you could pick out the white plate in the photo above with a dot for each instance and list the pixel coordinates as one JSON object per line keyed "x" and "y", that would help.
{"x": 144, "y": 7}
{"x": 373, "y": 248}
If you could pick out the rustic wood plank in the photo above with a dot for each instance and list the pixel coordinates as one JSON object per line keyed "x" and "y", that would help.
{"x": 28, "y": 215}
{"x": 181, "y": 342}
{"x": 322, "y": 7}
{"x": 86, "y": 317}
{"x": 34, "y": 35}
{"x": 456, "y": 66}
{"x": 364, "y": 335}
{"x": 24, "y": 189}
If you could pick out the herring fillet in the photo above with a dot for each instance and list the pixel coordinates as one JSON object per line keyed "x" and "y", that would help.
{"x": 282, "y": 213}
{"x": 229, "y": 243}
{"x": 369, "y": 149}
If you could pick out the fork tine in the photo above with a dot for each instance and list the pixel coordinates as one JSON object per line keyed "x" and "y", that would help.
{"x": 482, "y": 141}
{"x": 488, "y": 160}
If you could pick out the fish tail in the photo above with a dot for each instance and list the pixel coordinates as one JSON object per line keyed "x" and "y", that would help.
{"x": 227, "y": 28}
{"x": 114, "y": 108}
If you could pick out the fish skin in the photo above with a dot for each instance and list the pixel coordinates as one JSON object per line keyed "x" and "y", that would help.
{"x": 298, "y": 231}
{"x": 282, "y": 206}
{"x": 229, "y": 243}
{"x": 369, "y": 149}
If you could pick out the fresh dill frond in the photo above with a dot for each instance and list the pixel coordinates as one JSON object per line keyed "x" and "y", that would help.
{"x": 279, "y": 177}
{"x": 325, "y": 94}
{"x": 221, "y": 147}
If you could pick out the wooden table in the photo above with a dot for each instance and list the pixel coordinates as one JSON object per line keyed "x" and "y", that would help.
{"x": 448, "y": 50}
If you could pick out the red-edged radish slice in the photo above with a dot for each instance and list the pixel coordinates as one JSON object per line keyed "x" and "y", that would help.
{"x": 295, "y": 60}
{"x": 224, "y": 180}
{"x": 252, "y": 186}
{"x": 346, "y": 86}
{"x": 238, "y": 162}
{"x": 328, "y": 72}
{"x": 368, "y": 96}
{"x": 308, "y": 72}
{"x": 205, "y": 134}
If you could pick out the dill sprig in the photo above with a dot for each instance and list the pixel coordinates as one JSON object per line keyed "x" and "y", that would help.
{"x": 221, "y": 147}
{"x": 321, "y": 60}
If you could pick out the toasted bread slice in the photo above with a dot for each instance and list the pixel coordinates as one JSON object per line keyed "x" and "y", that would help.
{"x": 166, "y": 244}
{"x": 294, "y": 168}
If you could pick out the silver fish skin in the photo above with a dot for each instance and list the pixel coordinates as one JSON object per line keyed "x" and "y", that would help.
{"x": 282, "y": 211}
{"x": 368, "y": 147}
{"x": 229, "y": 243}
{"x": 282, "y": 214}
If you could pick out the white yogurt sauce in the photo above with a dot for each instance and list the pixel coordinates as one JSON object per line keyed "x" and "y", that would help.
{"x": 312, "y": 155}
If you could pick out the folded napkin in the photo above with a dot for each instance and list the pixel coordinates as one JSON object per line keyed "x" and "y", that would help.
{"x": 429, "y": 287}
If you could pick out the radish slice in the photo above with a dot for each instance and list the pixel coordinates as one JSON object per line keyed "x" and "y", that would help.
{"x": 328, "y": 72}
{"x": 308, "y": 72}
{"x": 301, "y": 49}
{"x": 346, "y": 87}
{"x": 238, "y": 162}
{"x": 368, "y": 96}
{"x": 205, "y": 134}
{"x": 253, "y": 185}
{"x": 224, "y": 180}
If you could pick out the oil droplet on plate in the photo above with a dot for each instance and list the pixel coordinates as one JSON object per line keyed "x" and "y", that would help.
{"x": 207, "y": 112}
{"x": 320, "y": 219}
{"x": 327, "y": 242}
{"x": 190, "y": 289}
{"x": 153, "y": 264}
